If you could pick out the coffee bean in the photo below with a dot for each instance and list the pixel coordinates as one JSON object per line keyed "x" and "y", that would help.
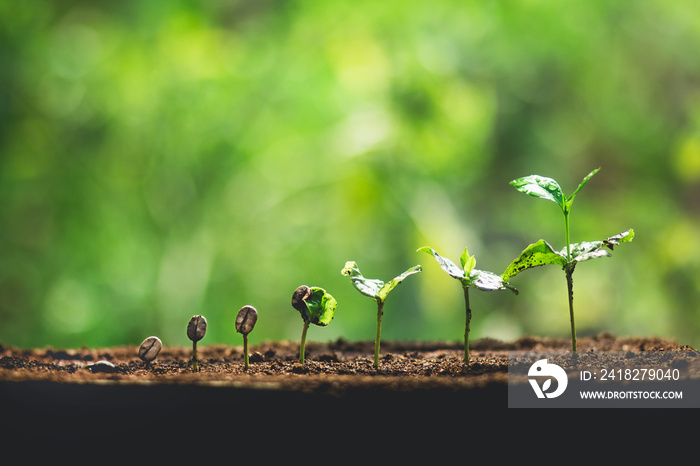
{"x": 300, "y": 295}
{"x": 102, "y": 366}
{"x": 150, "y": 348}
{"x": 245, "y": 320}
{"x": 197, "y": 328}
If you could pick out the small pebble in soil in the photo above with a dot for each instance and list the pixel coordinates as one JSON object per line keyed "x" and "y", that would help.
{"x": 256, "y": 357}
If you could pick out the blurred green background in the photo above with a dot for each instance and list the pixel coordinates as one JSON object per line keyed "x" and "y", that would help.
{"x": 165, "y": 159}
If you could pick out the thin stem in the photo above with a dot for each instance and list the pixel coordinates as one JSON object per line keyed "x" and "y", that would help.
{"x": 245, "y": 351}
{"x": 467, "y": 325}
{"x": 380, "y": 312}
{"x": 566, "y": 234}
{"x": 302, "y": 347}
{"x": 195, "y": 365}
{"x": 569, "y": 270}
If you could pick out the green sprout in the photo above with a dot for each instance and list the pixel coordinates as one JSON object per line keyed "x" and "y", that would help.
{"x": 316, "y": 306}
{"x": 245, "y": 321}
{"x": 469, "y": 276}
{"x": 541, "y": 253}
{"x": 196, "y": 329}
{"x": 378, "y": 290}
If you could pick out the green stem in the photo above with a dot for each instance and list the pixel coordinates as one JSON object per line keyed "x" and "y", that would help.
{"x": 467, "y": 325}
{"x": 566, "y": 234}
{"x": 569, "y": 270}
{"x": 245, "y": 351}
{"x": 302, "y": 347}
{"x": 380, "y": 312}
{"x": 195, "y": 365}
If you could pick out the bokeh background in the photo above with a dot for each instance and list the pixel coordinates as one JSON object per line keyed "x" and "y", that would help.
{"x": 165, "y": 159}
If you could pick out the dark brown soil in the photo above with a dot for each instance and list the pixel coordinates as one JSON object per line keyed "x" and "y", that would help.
{"x": 48, "y": 387}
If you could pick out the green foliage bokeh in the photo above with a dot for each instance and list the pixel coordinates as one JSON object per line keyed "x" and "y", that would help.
{"x": 164, "y": 159}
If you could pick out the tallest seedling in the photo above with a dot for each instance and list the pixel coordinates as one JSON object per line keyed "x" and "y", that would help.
{"x": 541, "y": 253}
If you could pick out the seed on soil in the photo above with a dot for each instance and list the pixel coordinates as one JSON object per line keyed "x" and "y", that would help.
{"x": 102, "y": 366}
{"x": 150, "y": 348}
{"x": 197, "y": 328}
{"x": 245, "y": 320}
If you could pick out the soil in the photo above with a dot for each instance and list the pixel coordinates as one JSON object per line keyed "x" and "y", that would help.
{"x": 113, "y": 388}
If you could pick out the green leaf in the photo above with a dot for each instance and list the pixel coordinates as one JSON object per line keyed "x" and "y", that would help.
{"x": 446, "y": 264}
{"x": 570, "y": 199}
{"x": 382, "y": 294}
{"x": 539, "y": 253}
{"x": 624, "y": 237}
{"x": 482, "y": 280}
{"x": 468, "y": 262}
{"x": 542, "y": 187}
{"x": 366, "y": 286}
{"x": 487, "y": 281}
{"x": 321, "y": 306}
{"x": 586, "y": 250}
{"x": 593, "y": 249}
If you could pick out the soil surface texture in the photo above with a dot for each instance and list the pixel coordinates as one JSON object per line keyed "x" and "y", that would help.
{"x": 43, "y": 389}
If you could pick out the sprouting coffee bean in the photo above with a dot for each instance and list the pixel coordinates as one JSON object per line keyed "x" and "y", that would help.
{"x": 196, "y": 328}
{"x": 300, "y": 295}
{"x": 245, "y": 320}
{"x": 150, "y": 348}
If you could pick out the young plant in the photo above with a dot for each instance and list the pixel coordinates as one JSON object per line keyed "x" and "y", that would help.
{"x": 541, "y": 253}
{"x": 245, "y": 321}
{"x": 316, "y": 306}
{"x": 196, "y": 329}
{"x": 469, "y": 276}
{"x": 378, "y": 290}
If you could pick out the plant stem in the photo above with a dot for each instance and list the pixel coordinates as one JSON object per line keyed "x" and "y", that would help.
{"x": 569, "y": 270}
{"x": 380, "y": 312}
{"x": 245, "y": 351}
{"x": 566, "y": 234}
{"x": 302, "y": 347}
{"x": 195, "y": 365}
{"x": 466, "y": 326}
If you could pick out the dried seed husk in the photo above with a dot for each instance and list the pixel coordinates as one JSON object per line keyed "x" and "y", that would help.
{"x": 196, "y": 328}
{"x": 300, "y": 295}
{"x": 246, "y": 319}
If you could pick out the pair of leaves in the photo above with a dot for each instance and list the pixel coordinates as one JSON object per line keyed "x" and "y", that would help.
{"x": 468, "y": 275}
{"x": 371, "y": 287}
{"x": 548, "y": 188}
{"x": 541, "y": 253}
{"x": 317, "y": 306}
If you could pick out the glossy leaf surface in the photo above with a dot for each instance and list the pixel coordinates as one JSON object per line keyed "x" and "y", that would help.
{"x": 321, "y": 306}
{"x": 593, "y": 249}
{"x": 541, "y": 187}
{"x": 374, "y": 288}
{"x": 539, "y": 253}
{"x": 469, "y": 276}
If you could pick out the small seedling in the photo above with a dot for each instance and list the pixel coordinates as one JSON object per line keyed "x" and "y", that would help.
{"x": 378, "y": 290}
{"x": 149, "y": 349}
{"x": 316, "y": 306}
{"x": 195, "y": 332}
{"x": 245, "y": 321}
{"x": 541, "y": 253}
{"x": 469, "y": 276}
